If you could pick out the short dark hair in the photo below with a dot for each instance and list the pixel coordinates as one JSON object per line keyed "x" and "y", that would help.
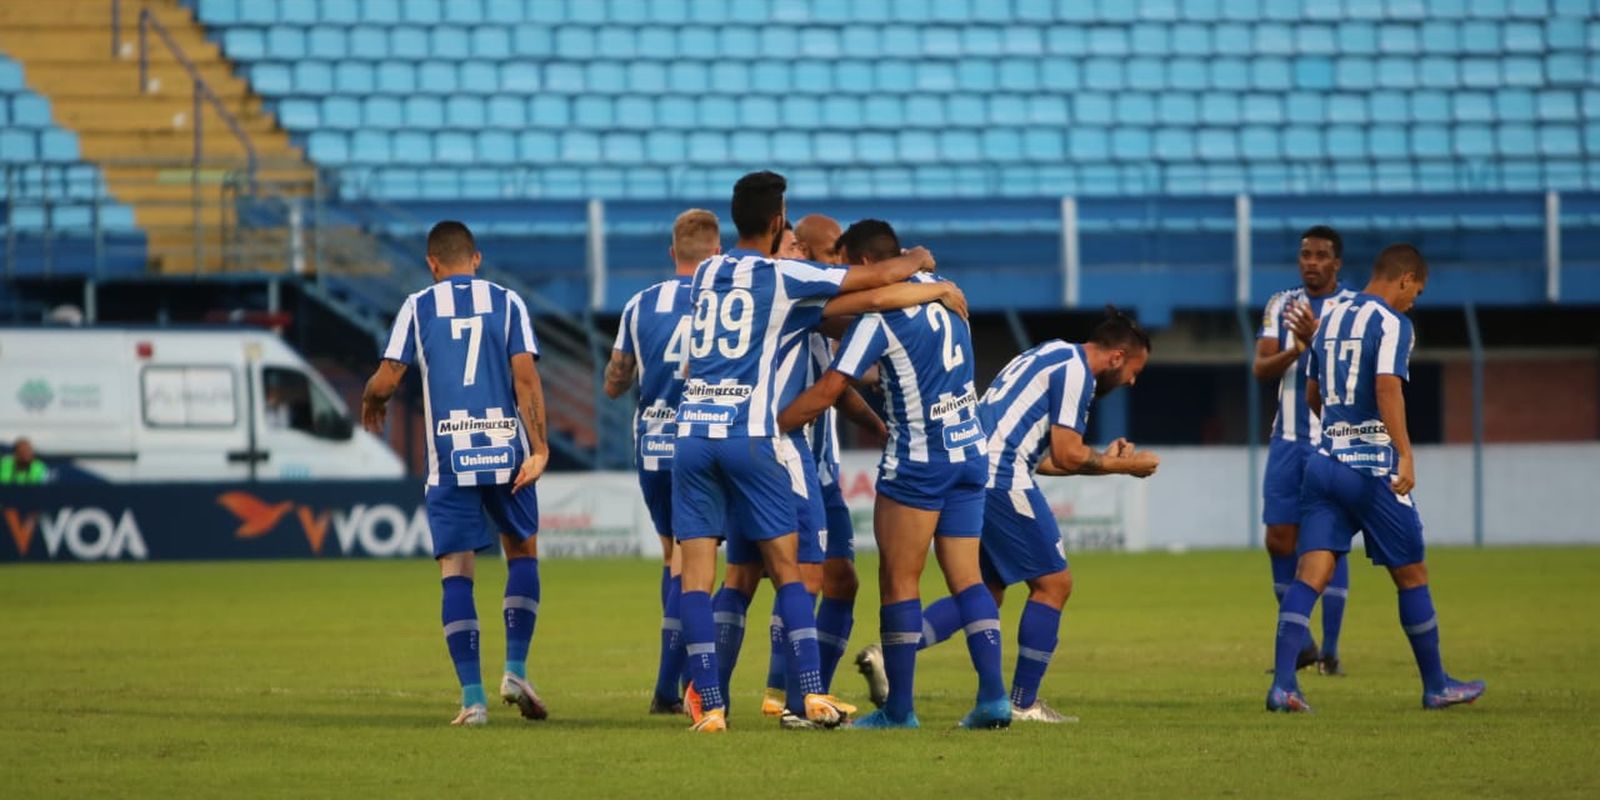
{"x": 1117, "y": 330}
{"x": 1327, "y": 234}
{"x": 1399, "y": 259}
{"x": 757, "y": 198}
{"x": 868, "y": 239}
{"x": 451, "y": 243}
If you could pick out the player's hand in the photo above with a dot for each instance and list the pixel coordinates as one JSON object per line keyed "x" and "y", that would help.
{"x": 1143, "y": 464}
{"x": 1302, "y": 322}
{"x": 1121, "y": 448}
{"x": 924, "y": 258}
{"x": 373, "y": 415}
{"x": 532, "y": 467}
{"x": 1404, "y": 477}
{"x": 954, "y": 299}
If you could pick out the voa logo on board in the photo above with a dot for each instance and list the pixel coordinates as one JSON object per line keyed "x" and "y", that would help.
{"x": 380, "y": 529}
{"x": 83, "y": 534}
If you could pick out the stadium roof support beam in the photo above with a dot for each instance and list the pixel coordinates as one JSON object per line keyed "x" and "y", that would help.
{"x": 1071, "y": 258}
{"x": 596, "y": 252}
{"x": 1552, "y": 247}
{"x": 1241, "y": 249}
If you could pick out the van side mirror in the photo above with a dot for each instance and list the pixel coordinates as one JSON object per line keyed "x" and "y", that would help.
{"x": 334, "y": 426}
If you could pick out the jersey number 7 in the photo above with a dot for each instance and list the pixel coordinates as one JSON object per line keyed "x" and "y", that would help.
{"x": 473, "y": 326}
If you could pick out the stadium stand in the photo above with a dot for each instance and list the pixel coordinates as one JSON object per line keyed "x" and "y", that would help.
{"x": 570, "y": 98}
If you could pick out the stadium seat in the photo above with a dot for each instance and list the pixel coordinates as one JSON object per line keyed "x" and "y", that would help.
{"x": 341, "y": 112}
{"x": 382, "y": 111}
{"x": 424, "y": 112}
{"x": 354, "y": 77}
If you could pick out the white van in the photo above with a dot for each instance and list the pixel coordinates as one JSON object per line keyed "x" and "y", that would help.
{"x": 162, "y": 404}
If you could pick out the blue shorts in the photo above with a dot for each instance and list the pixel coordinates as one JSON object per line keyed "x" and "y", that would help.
{"x": 1280, "y": 487}
{"x": 955, "y": 490}
{"x": 657, "y": 489}
{"x": 841, "y": 526}
{"x": 455, "y": 516}
{"x": 1021, "y": 540}
{"x": 810, "y": 514}
{"x": 739, "y": 485}
{"x": 1337, "y": 501}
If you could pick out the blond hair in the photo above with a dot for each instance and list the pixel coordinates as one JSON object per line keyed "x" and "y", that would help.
{"x": 695, "y": 235}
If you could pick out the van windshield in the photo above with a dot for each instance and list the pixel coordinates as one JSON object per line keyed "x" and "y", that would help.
{"x": 294, "y": 402}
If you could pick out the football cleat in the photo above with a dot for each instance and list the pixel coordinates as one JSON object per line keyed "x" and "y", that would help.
{"x": 692, "y": 704}
{"x": 1309, "y": 655}
{"x": 879, "y": 720}
{"x": 992, "y": 715}
{"x": 1329, "y": 665}
{"x": 1039, "y": 712}
{"x": 790, "y": 721}
{"x": 471, "y": 717}
{"x": 671, "y": 707}
{"x": 1289, "y": 701}
{"x": 518, "y": 692}
{"x": 870, "y": 663}
{"x": 1454, "y": 693}
{"x": 827, "y": 710}
{"x": 713, "y": 721}
{"x": 772, "y": 703}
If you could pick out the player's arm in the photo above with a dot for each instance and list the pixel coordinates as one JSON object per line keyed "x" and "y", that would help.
{"x": 1117, "y": 449}
{"x": 888, "y": 271}
{"x": 620, "y": 373}
{"x": 1069, "y": 453}
{"x": 854, "y": 408}
{"x": 897, "y": 296}
{"x": 375, "y": 398}
{"x": 530, "y": 409}
{"x": 813, "y": 401}
{"x": 1314, "y": 396}
{"x": 1392, "y": 410}
{"x": 1273, "y": 360}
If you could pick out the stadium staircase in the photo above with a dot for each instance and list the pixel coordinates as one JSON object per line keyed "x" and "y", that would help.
{"x": 144, "y": 141}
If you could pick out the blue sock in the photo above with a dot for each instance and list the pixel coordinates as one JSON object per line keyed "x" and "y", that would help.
{"x": 672, "y": 653}
{"x": 460, "y": 618}
{"x": 700, "y": 646}
{"x": 1422, "y": 628}
{"x": 900, "y": 628}
{"x": 666, "y": 585}
{"x": 835, "y": 619}
{"x": 778, "y": 653}
{"x": 1294, "y": 628}
{"x": 1037, "y": 636}
{"x": 1282, "y": 574}
{"x": 798, "y": 609}
{"x": 981, "y": 619}
{"x": 1333, "y": 600}
{"x": 522, "y": 612}
{"x": 728, "y": 610}
{"x": 940, "y": 621}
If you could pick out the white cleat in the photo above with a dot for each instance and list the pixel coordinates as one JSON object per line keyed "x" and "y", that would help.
{"x": 471, "y": 717}
{"x": 1039, "y": 712}
{"x": 869, "y": 662}
{"x": 518, "y": 692}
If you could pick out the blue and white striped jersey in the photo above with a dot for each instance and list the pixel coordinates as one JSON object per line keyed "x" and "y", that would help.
{"x": 462, "y": 333}
{"x": 745, "y": 305}
{"x": 1358, "y": 341}
{"x": 1294, "y": 421}
{"x": 1050, "y": 384}
{"x": 806, "y": 355}
{"x": 654, "y": 329}
{"x": 925, "y": 359}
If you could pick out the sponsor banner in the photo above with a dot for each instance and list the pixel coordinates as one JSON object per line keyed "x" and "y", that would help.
{"x": 1099, "y": 513}
{"x": 580, "y": 515}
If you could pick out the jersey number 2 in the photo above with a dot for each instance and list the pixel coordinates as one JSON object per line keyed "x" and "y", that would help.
{"x": 939, "y": 320}
{"x": 473, "y": 326}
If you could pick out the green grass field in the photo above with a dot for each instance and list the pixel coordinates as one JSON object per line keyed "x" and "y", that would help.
{"x": 330, "y": 679}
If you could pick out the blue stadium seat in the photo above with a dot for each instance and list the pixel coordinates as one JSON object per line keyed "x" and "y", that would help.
{"x": 244, "y": 43}
{"x": 424, "y": 112}
{"x": 1430, "y": 106}
{"x": 1480, "y": 37}
{"x": 326, "y": 43}
{"x": 1177, "y": 108}
{"x": 369, "y": 42}
{"x": 1043, "y": 144}
{"x": 1516, "y": 140}
{"x": 382, "y": 111}
{"x": 1092, "y": 109}
{"x": 354, "y": 77}
{"x": 56, "y": 145}
{"x": 924, "y": 111}
{"x": 1271, "y": 74}
{"x": 593, "y": 112}
{"x": 313, "y": 77}
{"x": 341, "y": 112}
{"x": 409, "y": 43}
{"x": 1191, "y": 40}
{"x": 539, "y": 147}
{"x": 396, "y": 77}
{"x": 463, "y": 11}
{"x": 549, "y": 111}
{"x": 1351, "y": 108}
{"x": 218, "y": 11}
{"x": 1559, "y": 140}
{"x": 1262, "y": 108}
{"x": 966, "y": 110}
{"x": 490, "y": 42}
{"x": 506, "y": 112}
{"x": 707, "y": 147}
{"x": 1439, "y": 73}
{"x": 729, "y": 77}
{"x": 1217, "y": 144}
{"x": 464, "y": 111}
{"x": 481, "y": 77}
{"x": 439, "y": 77}
{"x": 328, "y": 147}
{"x": 1473, "y": 140}
{"x": 532, "y": 40}
{"x": 1473, "y": 107}
{"x": 270, "y": 79}
{"x": 1174, "y": 144}
{"x": 426, "y": 12}
{"x": 1135, "y": 109}
{"x": 454, "y": 147}
{"x": 451, "y": 43}
{"x": 1260, "y": 142}
{"x": 1316, "y": 40}
{"x": 496, "y": 147}
{"x": 1131, "y": 144}
{"x": 1556, "y": 105}
{"x": 1187, "y": 73}
{"x": 1346, "y": 141}
{"x": 1219, "y": 108}
{"x": 648, "y": 78}
{"x": 284, "y": 41}
{"x": 1303, "y": 143}
{"x": 921, "y": 147}
{"x": 370, "y": 147}
{"x": 1513, "y": 105}
{"x": 1430, "y": 141}
{"x": 29, "y": 110}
